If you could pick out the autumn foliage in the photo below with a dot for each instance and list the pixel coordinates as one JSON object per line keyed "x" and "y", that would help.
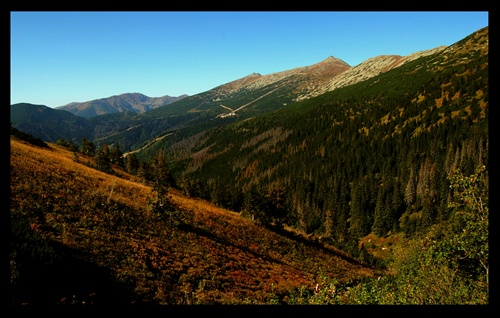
{"x": 83, "y": 236}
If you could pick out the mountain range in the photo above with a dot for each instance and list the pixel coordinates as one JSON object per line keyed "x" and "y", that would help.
{"x": 319, "y": 78}
{"x": 245, "y": 97}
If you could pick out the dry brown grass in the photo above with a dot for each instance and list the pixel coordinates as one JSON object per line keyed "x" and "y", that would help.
{"x": 217, "y": 256}
{"x": 60, "y": 160}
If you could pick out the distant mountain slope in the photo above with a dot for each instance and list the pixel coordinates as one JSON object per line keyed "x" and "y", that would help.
{"x": 300, "y": 78}
{"x": 47, "y": 123}
{"x": 134, "y": 102}
{"x": 368, "y": 69}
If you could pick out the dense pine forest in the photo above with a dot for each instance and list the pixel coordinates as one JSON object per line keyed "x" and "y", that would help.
{"x": 390, "y": 173}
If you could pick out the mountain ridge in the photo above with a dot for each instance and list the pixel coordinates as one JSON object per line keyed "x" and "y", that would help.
{"x": 134, "y": 102}
{"x": 233, "y": 101}
{"x": 326, "y": 75}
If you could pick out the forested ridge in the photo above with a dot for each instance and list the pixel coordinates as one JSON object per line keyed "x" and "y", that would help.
{"x": 391, "y": 174}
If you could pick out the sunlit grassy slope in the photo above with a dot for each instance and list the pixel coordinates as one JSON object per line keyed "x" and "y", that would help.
{"x": 97, "y": 224}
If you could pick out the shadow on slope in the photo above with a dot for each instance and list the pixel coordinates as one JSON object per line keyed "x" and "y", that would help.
{"x": 66, "y": 280}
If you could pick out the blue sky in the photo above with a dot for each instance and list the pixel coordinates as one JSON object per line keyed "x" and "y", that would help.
{"x": 63, "y": 57}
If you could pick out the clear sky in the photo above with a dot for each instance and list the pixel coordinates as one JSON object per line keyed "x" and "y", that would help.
{"x": 63, "y": 57}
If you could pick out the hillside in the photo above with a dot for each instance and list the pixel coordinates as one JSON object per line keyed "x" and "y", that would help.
{"x": 47, "y": 123}
{"x": 94, "y": 235}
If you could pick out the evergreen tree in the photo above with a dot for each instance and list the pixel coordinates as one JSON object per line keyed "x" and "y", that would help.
{"x": 67, "y": 144}
{"x": 360, "y": 216}
{"x": 105, "y": 151}
{"x": 143, "y": 172}
{"x": 160, "y": 172}
{"x": 101, "y": 160}
{"x": 397, "y": 206}
{"x": 161, "y": 177}
{"x": 116, "y": 156}
{"x": 341, "y": 197}
{"x": 88, "y": 147}
{"x": 426, "y": 190}
{"x": 381, "y": 222}
{"x": 276, "y": 206}
{"x": 131, "y": 163}
{"x": 253, "y": 205}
